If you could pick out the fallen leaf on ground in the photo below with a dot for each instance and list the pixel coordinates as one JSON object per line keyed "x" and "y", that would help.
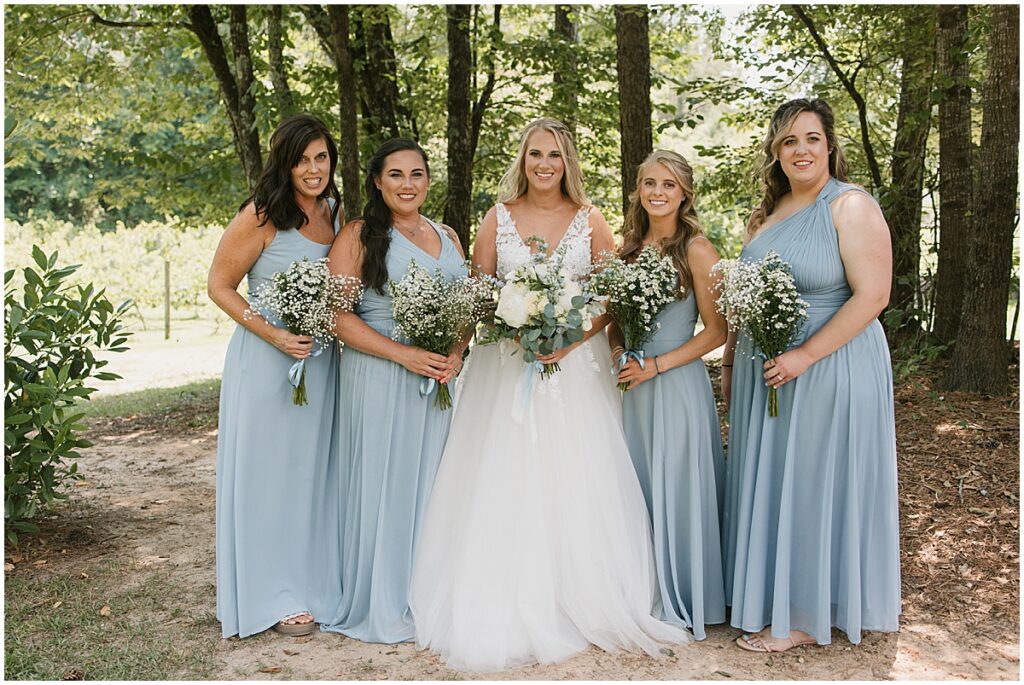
{"x": 39, "y": 562}
{"x": 84, "y": 574}
{"x": 57, "y": 604}
{"x": 303, "y": 639}
{"x": 8, "y": 567}
{"x": 74, "y": 674}
{"x": 270, "y": 669}
{"x": 290, "y": 652}
{"x": 105, "y": 610}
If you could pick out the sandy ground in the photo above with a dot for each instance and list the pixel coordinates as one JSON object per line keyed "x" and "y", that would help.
{"x": 150, "y": 498}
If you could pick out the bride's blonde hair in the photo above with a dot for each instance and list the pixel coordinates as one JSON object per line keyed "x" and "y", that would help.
{"x": 514, "y": 185}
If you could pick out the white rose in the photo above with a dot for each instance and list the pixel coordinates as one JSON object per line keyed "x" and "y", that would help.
{"x": 564, "y": 302}
{"x": 512, "y": 304}
{"x": 541, "y": 271}
{"x": 535, "y": 303}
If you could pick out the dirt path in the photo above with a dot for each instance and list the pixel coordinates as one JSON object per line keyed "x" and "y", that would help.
{"x": 146, "y": 509}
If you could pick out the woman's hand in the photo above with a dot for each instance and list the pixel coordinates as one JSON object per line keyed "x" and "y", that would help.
{"x": 454, "y": 365}
{"x": 559, "y": 354}
{"x": 423, "y": 363}
{"x": 634, "y": 375}
{"x": 786, "y": 367}
{"x": 298, "y": 346}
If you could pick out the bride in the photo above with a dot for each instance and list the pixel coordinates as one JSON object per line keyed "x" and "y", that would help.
{"x": 536, "y": 540}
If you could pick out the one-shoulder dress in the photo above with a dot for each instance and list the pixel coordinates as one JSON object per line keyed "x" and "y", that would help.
{"x": 811, "y": 535}
{"x": 391, "y": 440}
{"x": 671, "y": 427}
{"x": 275, "y": 465}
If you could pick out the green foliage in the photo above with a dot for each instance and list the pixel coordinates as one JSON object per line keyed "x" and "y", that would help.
{"x": 52, "y": 334}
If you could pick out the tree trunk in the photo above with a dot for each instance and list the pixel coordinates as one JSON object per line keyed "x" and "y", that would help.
{"x": 457, "y": 211}
{"x": 981, "y": 357}
{"x": 566, "y": 76}
{"x": 243, "y": 130}
{"x": 278, "y": 70}
{"x": 903, "y": 200}
{"x": 955, "y": 177}
{"x": 377, "y": 70}
{"x": 332, "y": 28}
{"x": 485, "y": 93}
{"x": 633, "y": 59}
{"x": 238, "y": 27}
{"x": 349, "y": 132}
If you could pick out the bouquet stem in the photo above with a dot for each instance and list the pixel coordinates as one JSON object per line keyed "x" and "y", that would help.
{"x": 299, "y": 392}
{"x": 549, "y": 370}
{"x": 444, "y": 397}
{"x": 773, "y": 401}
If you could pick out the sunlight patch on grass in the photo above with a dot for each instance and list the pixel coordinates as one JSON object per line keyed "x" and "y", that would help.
{"x": 153, "y": 400}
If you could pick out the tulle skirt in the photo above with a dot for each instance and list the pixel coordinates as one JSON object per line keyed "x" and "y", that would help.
{"x": 536, "y": 540}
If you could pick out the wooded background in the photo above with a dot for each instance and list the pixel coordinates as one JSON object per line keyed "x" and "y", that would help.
{"x": 121, "y": 118}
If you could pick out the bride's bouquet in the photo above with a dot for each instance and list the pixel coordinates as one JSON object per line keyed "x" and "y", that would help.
{"x": 635, "y": 294}
{"x": 542, "y": 308}
{"x": 305, "y": 298}
{"x": 759, "y": 298}
{"x": 434, "y": 312}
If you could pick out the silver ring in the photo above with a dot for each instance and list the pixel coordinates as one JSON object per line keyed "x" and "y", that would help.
{"x": 779, "y": 376}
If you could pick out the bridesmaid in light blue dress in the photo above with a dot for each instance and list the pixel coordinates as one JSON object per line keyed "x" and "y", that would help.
{"x": 669, "y": 411}
{"x": 811, "y": 524}
{"x": 275, "y": 459}
{"x": 391, "y": 436}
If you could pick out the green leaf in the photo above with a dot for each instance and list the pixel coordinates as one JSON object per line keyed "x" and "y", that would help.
{"x": 39, "y": 257}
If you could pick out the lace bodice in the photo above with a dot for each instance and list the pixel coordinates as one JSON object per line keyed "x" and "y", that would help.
{"x": 513, "y": 252}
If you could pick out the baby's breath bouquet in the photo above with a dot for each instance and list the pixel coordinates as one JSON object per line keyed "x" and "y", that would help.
{"x": 542, "y": 308}
{"x": 635, "y": 294}
{"x": 304, "y": 298}
{"x": 759, "y": 297}
{"x": 434, "y": 312}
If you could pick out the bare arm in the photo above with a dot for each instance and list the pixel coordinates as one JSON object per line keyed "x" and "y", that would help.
{"x": 485, "y": 248}
{"x": 702, "y": 257}
{"x": 239, "y": 248}
{"x": 346, "y": 257}
{"x": 866, "y": 251}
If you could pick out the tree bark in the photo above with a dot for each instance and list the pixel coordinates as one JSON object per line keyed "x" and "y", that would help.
{"x": 955, "y": 177}
{"x": 377, "y": 72}
{"x": 349, "y": 131}
{"x": 332, "y": 28}
{"x": 566, "y": 75}
{"x": 278, "y": 70}
{"x": 903, "y": 200}
{"x": 241, "y": 110}
{"x": 485, "y": 93}
{"x": 633, "y": 59}
{"x": 981, "y": 356}
{"x": 458, "y": 207}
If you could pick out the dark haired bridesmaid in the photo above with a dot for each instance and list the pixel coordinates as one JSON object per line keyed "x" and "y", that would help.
{"x": 391, "y": 436}
{"x": 273, "y": 457}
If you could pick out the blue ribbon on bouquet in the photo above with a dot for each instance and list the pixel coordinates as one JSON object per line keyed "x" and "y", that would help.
{"x": 427, "y": 386}
{"x": 624, "y": 358}
{"x": 524, "y": 389}
{"x": 295, "y": 372}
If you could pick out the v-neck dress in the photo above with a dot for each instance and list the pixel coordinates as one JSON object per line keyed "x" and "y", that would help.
{"x": 390, "y": 444}
{"x": 811, "y": 529}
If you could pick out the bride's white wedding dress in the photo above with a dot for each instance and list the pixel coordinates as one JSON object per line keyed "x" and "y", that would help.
{"x": 536, "y": 540}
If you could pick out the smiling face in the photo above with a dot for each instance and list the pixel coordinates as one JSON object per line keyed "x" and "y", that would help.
{"x": 660, "y": 192}
{"x": 403, "y": 181}
{"x": 803, "y": 151}
{"x": 311, "y": 175}
{"x": 543, "y": 162}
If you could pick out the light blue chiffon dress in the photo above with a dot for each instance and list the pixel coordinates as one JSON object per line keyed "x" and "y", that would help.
{"x": 811, "y": 523}
{"x": 671, "y": 427}
{"x": 276, "y": 467}
{"x": 390, "y": 449}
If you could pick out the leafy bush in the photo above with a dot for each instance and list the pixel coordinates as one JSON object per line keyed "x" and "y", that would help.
{"x": 51, "y": 337}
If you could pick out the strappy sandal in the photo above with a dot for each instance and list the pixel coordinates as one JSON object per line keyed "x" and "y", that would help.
{"x": 296, "y": 629}
{"x": 755, "y": 643}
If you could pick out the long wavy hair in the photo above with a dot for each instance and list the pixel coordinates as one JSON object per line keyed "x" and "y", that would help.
{"x": 774, "y": 182}
{"x": 377, "y": 217}
{"x": 638, "y": 223}
{"x": 514, "y": 184}
{"x": 274, "y": 195}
